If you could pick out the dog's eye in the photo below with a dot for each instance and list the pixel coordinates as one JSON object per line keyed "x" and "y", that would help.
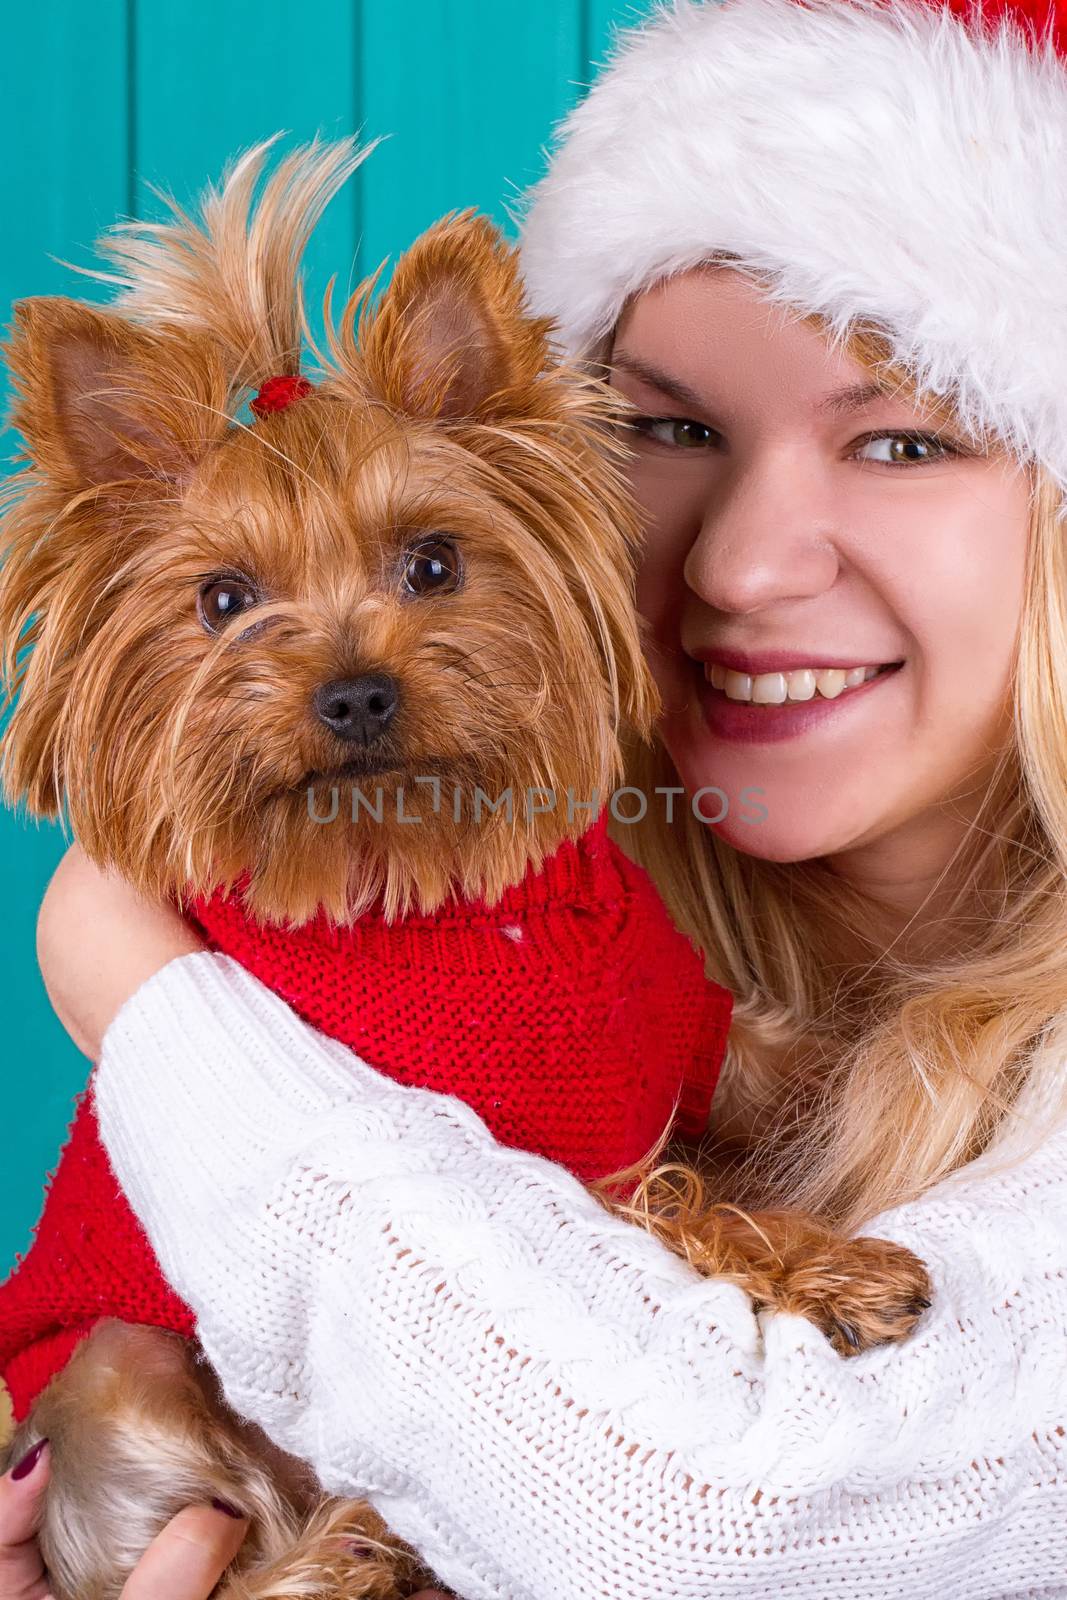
{"x": 223, "y": 598}
{"x": 432, "y": 566}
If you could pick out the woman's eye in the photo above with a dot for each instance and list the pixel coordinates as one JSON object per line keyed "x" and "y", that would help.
{"x": 432, "y": 566}
{"x": 678, "y": 432}
{"x": 905, "y": 449}
{"x": 223, "y": 598}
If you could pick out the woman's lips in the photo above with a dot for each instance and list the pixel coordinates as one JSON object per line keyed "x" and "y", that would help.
{"x": 739, "y": 722}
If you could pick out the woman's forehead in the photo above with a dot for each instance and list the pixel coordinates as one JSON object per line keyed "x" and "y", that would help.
{"x": 711, "y": 337}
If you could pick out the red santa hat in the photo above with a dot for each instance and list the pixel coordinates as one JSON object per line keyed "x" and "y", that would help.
{"x": 892, "y": 162}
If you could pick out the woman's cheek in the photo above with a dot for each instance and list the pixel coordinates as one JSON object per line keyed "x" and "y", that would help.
{"x": 671, "y": 525}
{"x": 659, "y": 590}
{"x": 956, "y": 590}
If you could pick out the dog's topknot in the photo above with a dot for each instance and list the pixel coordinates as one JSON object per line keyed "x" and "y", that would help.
{"x": 233, "y": 270}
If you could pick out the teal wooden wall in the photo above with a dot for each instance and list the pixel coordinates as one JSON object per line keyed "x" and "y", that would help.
{"x": 99, "y": 96}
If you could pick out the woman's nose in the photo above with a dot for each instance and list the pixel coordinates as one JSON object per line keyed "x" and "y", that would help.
{"x": 769, "y": 535}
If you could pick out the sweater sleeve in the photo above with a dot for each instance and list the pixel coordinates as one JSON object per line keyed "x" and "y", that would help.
{"x": 538, "y": 1395}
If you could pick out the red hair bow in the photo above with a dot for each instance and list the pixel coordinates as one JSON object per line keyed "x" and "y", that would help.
{"x": 277, "y": 393}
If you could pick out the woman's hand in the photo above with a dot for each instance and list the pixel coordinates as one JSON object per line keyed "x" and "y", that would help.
{"x": 185, "y": 1562}
{"x": 98, "y": 940}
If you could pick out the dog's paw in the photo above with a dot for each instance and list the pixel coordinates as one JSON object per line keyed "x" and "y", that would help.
{"x": 859, "y": 1292}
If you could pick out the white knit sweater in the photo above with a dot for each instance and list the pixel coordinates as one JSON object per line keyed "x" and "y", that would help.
{"x": 538, "y": 1395}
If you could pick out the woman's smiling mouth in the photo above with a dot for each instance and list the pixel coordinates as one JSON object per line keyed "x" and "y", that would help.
{"x": 785, "y": 697}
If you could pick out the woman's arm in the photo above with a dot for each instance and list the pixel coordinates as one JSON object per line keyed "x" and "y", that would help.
{"x": 539, "y": 1395}
{"x": 97, "y": 942}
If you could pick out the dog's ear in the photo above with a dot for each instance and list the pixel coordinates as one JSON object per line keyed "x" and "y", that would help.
{"x": 450, "y": 336}
{"x": 101, "y": 401}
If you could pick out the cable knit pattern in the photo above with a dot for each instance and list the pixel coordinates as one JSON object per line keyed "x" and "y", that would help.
{"x": 537, "y": 1394}
{"x": 572, "y": 1015}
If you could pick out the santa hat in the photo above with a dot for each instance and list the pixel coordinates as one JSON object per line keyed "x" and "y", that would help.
{"x": 891, "y": 162}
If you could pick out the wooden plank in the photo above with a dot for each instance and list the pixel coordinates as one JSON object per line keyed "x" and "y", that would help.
{"x": 468, "y": 91}
{"x": 63, "y": 122}
{"x": 212, "y": 79}
{"x": 63, "y": 117}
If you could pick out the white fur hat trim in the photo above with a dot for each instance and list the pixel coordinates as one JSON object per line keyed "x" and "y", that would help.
{"x": 874, "y": 162}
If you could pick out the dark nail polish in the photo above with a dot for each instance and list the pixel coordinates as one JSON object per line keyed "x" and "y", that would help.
{"x": 230, "y": 1511}
{"x": 29, "y": 1461}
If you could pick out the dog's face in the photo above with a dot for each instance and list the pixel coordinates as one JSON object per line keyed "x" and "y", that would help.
{"x": 261, "y": 652}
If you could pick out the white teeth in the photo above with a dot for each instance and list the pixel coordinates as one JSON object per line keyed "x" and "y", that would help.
{"x": 830, "y": 683}
{"x": 774, "y": 688}
{"x": 769, "y": 689}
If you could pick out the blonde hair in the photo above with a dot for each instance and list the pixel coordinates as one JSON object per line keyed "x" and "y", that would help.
{"x": 904, "y": 1068}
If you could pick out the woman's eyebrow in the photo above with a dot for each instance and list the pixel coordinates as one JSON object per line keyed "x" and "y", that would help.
{"x": 841, "y": 401}
{"x": 658, "y": 380}
{"x": 852, "y": 398}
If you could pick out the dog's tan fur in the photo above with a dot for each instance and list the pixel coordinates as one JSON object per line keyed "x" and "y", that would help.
{"x": 183, "y": 758}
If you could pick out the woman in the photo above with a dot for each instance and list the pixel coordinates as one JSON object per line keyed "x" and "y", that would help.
{"x": 820, "y": 248}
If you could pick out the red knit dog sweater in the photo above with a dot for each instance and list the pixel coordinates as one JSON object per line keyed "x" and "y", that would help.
{"x": 571, "y": 1015}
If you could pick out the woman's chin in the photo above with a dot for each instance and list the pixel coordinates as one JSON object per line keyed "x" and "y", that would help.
{"x": 766, "y": 843}
{"x": 793, "y": 799}
{"x": 780, "y": 820}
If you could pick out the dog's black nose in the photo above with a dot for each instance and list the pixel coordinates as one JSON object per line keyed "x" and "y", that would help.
{"x": 357, "y": 709}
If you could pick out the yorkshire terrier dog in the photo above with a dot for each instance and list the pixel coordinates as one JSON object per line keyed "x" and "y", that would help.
{"x": 345, "y": 680}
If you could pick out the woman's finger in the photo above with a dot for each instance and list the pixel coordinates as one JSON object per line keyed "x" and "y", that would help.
{"x": 22, "y": 1575}
{"x": 188, "y": 1558}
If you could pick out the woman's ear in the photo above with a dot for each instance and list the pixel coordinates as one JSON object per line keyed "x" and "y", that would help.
{"x": 101, "y": 401}
{"x": 451, "y": 336}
